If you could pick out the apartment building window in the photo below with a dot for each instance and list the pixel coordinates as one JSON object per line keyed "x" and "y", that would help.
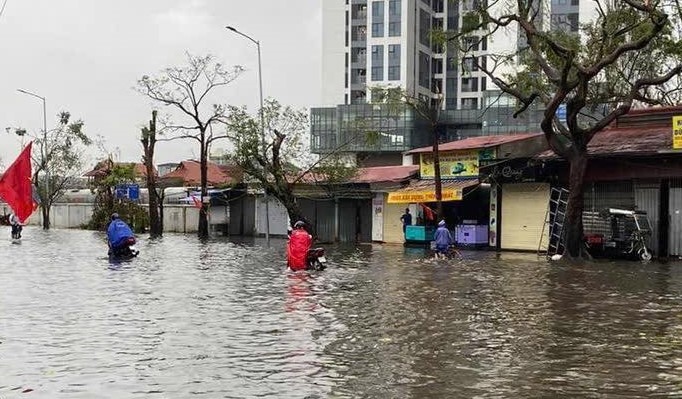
{"x": 469, "y": 85}
{"x": 451, "y": 64}
{"x": 393, "y": 62}
{"x": 469, "y": 64}
{"x": 575, "y": 2}
{"x": 378, "y": 19}
{"x": 469, "y": 103}
{"x": 424, "y": 27}
{"x": 424, "y": 70}
{"x": 357, "y": 54}
{"x": 394, "y": 8}
{"x": 394, "y": 17}
{"x": 437, "y": 6}
{"x": 377, "y": 63}
{"x": 359, "y": 33}
{"x": 437, "y": 65}
{"x": 484, "y": 43}
{"x": 471, "y": 43}
{"x": 483, "y": 83}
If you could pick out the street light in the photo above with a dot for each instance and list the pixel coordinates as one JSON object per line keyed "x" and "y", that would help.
{"x": 45, "y": 154}
{"x": 262, "y": 133}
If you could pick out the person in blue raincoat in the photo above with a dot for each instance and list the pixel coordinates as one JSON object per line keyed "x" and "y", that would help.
{"x": 118, "y": 233}
{"x": 443, "y": 240}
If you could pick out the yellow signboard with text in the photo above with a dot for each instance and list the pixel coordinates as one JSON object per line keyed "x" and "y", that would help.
{"x": 677, "y": 132}
{"x": 452, "y": 164}
{"x": 409, "y": 197}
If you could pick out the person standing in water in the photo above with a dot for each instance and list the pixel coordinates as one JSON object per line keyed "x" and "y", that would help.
{"x": 16, "y": 226}
{"x": 406, "y": 218}
{"x": 443, "y": 240}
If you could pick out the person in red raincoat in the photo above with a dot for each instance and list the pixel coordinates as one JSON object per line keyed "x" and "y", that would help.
{"x": 298, "y": 246}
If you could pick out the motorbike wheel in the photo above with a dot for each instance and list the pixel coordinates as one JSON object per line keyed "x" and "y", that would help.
{"x": 644, "y": 255}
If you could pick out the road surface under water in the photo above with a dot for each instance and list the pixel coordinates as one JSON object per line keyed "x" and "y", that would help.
{"x": 222, "y": 320}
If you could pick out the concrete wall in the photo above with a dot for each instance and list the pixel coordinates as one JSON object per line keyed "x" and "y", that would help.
{"x": 177, "y": 218}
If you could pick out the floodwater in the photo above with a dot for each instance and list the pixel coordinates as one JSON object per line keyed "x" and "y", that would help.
{"x": 226, "y": 320}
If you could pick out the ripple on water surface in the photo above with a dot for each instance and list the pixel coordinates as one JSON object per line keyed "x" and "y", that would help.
{"x": 225, "y": 319}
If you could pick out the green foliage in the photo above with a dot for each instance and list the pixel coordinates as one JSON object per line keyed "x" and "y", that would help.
{"x": 106, "y": 203}
{"x": 59, "y": 153}
{"x": 135, "y": 215}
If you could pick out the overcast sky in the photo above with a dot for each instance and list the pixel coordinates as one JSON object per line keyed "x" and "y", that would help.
{"x": 85, "y": 56}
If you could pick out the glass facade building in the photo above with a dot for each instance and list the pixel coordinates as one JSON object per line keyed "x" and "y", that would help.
{"x": 375, "y": 128}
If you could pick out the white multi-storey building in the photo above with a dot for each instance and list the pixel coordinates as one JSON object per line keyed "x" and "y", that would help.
{"x": 369, "y": 43}
{"x": 384, "y": 43}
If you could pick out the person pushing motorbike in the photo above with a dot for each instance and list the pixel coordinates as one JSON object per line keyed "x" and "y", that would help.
{"x": 119, "y": 234}
{"x": 297, "y": 248}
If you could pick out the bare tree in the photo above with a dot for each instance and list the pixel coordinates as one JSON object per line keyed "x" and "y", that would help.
{"x": 630, "y": 54}
{"x": 187, "y": 90}
{"x": 148, "y": 140}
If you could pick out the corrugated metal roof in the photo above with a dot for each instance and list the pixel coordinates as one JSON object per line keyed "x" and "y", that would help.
{"x": 627, "y": 141}
{"x": 419, "y": 185}
{"x": 476, "y": 142}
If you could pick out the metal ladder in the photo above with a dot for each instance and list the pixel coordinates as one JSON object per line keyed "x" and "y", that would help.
{"x": 555, "y": 218}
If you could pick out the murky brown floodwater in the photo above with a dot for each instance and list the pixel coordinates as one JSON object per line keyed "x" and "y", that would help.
{"x": 227, "y": 320}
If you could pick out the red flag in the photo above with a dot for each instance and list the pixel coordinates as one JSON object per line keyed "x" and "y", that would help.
{"x": 428, "y": 212}
{"x": 16, "y": 187}
{"x": 197, "y": 201}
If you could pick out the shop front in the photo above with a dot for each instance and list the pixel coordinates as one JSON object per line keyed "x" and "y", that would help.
{"x": 461, "y": 206}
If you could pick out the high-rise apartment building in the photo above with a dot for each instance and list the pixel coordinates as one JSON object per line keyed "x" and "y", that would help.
{"x": 387, "y": 43}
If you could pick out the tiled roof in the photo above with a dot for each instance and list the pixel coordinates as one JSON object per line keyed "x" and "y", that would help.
{"x": 190, "y": 174}
{"x": 476, "y": 142}
{"x": 100, "y": 169}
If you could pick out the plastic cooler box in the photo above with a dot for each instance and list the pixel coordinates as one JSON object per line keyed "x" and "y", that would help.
{"x": 419, "y": 233}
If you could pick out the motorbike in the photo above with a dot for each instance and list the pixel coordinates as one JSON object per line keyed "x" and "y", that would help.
{"x": 316, "y": 259}
{"x": 126, "y": 251}
{"x": 629, "y": 233}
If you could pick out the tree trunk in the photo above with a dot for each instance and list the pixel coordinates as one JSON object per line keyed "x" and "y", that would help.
{"x": 160, "y": 200}
{"x": 148, "y": 143}
{"x": 45, "y": 209}
{"x": 294, "y": 211}
{"x": 203, "y": 212}
{"x": 573, "y": 225}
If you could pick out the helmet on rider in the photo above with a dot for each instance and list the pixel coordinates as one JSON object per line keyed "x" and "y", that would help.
{"x": 299, "y": 225}
{"x": 114, "y": 216}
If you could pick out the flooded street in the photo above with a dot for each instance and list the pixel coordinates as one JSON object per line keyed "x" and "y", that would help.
{"x": 226, "y": 320}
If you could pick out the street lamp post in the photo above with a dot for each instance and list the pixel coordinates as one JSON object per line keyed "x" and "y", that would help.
{"x": 45, "y": 149}
{"x": 262, "y": 127}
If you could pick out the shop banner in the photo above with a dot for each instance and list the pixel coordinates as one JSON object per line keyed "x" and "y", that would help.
{"x": 452, "y": 164}
{"x": 677, "y": 132}
{"x": 409, "y": 197}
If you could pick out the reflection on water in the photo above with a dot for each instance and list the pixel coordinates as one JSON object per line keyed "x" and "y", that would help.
{"x": 225, "y": 319}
